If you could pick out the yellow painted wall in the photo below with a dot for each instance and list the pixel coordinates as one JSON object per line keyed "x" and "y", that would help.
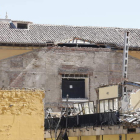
{"x": 135, "y": 54}
{"x": 21, "y": 115}
{"x": 9, "y": 53}
{"x": 113, "y": 137}
{"x": 111, "y": 90}
{"x": 6, "y": 51}
{"x": 133, "y": 137}
{"x": 70, "y": 138}
{"x": 73, "y": 138}
{"x": 88, "y": 137}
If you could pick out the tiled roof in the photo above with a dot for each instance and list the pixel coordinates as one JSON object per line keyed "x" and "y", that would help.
{"x": 40, "y": 34}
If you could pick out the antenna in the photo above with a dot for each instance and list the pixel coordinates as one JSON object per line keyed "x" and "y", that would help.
{"x": 6, "y": 16}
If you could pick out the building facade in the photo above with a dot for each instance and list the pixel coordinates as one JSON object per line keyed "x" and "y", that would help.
{"x": 64, "y": 59}
{"x": 67, "y": 60}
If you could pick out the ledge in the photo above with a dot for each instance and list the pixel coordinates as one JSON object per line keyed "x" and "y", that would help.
{"x": 75, "y": 100}
{"x": 115, "y": 130}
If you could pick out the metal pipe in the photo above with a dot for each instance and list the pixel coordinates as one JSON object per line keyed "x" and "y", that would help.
{"x": 57, "y": 127}
{"x": 67, "y": 113}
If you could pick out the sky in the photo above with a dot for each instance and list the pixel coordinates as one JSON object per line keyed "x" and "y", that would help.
{"x": 102, "y": 13}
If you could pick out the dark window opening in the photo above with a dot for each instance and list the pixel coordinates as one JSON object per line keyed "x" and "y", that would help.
{"x": 131, "y": 130}
{"x": 81, "y": 45}
{"x": 124, "y": 89}
{"x": 75, "y": 88}
{"x": 22, "y": 26}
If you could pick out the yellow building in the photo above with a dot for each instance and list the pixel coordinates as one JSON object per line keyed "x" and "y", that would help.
{"x": 21, "y": 115}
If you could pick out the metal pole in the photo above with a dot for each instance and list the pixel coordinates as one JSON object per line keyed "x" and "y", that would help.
{"x": 57, "y": 127}
{"x": 125, "y": 62}
{"x": 67, "y": 113}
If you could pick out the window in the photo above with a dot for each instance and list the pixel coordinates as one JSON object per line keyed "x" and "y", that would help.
{"x": 102, "y": 106}
{"x": 108, "y": 105}
{"x": 84, "y": 108}
{"x": 75, "y": 88}
{"x": 22, "y": 26}
{"x": 131, "y": 130}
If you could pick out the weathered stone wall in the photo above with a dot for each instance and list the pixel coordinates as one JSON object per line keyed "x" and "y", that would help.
{"x": 40, "y": 69}
{"x": 21, "y": 115}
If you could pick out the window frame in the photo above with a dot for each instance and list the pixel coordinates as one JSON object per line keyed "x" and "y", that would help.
{"x": 87, "y": 86}
{"x": 110, "y": 99}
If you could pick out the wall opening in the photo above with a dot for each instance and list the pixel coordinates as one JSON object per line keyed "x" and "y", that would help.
{"x": 131, "y": 130}
{"x": 75, "y": 88}
{"x": 22, "y": 26}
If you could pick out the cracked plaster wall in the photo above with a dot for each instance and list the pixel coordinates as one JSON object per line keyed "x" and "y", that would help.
{"x": 40, "y": 69}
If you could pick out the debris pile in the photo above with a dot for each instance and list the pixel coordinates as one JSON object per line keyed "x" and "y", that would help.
{"x": 131, "y": 119}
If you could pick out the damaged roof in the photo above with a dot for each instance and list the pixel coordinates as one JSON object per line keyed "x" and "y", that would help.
{"x": 41, "y": 34}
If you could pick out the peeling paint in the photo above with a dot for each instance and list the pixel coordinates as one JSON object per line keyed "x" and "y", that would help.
{"x": 21, "y": 115}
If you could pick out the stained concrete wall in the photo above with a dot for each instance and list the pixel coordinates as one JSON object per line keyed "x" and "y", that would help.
{"x": 40, "y": 69}
{"x": 21, "y": 115}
